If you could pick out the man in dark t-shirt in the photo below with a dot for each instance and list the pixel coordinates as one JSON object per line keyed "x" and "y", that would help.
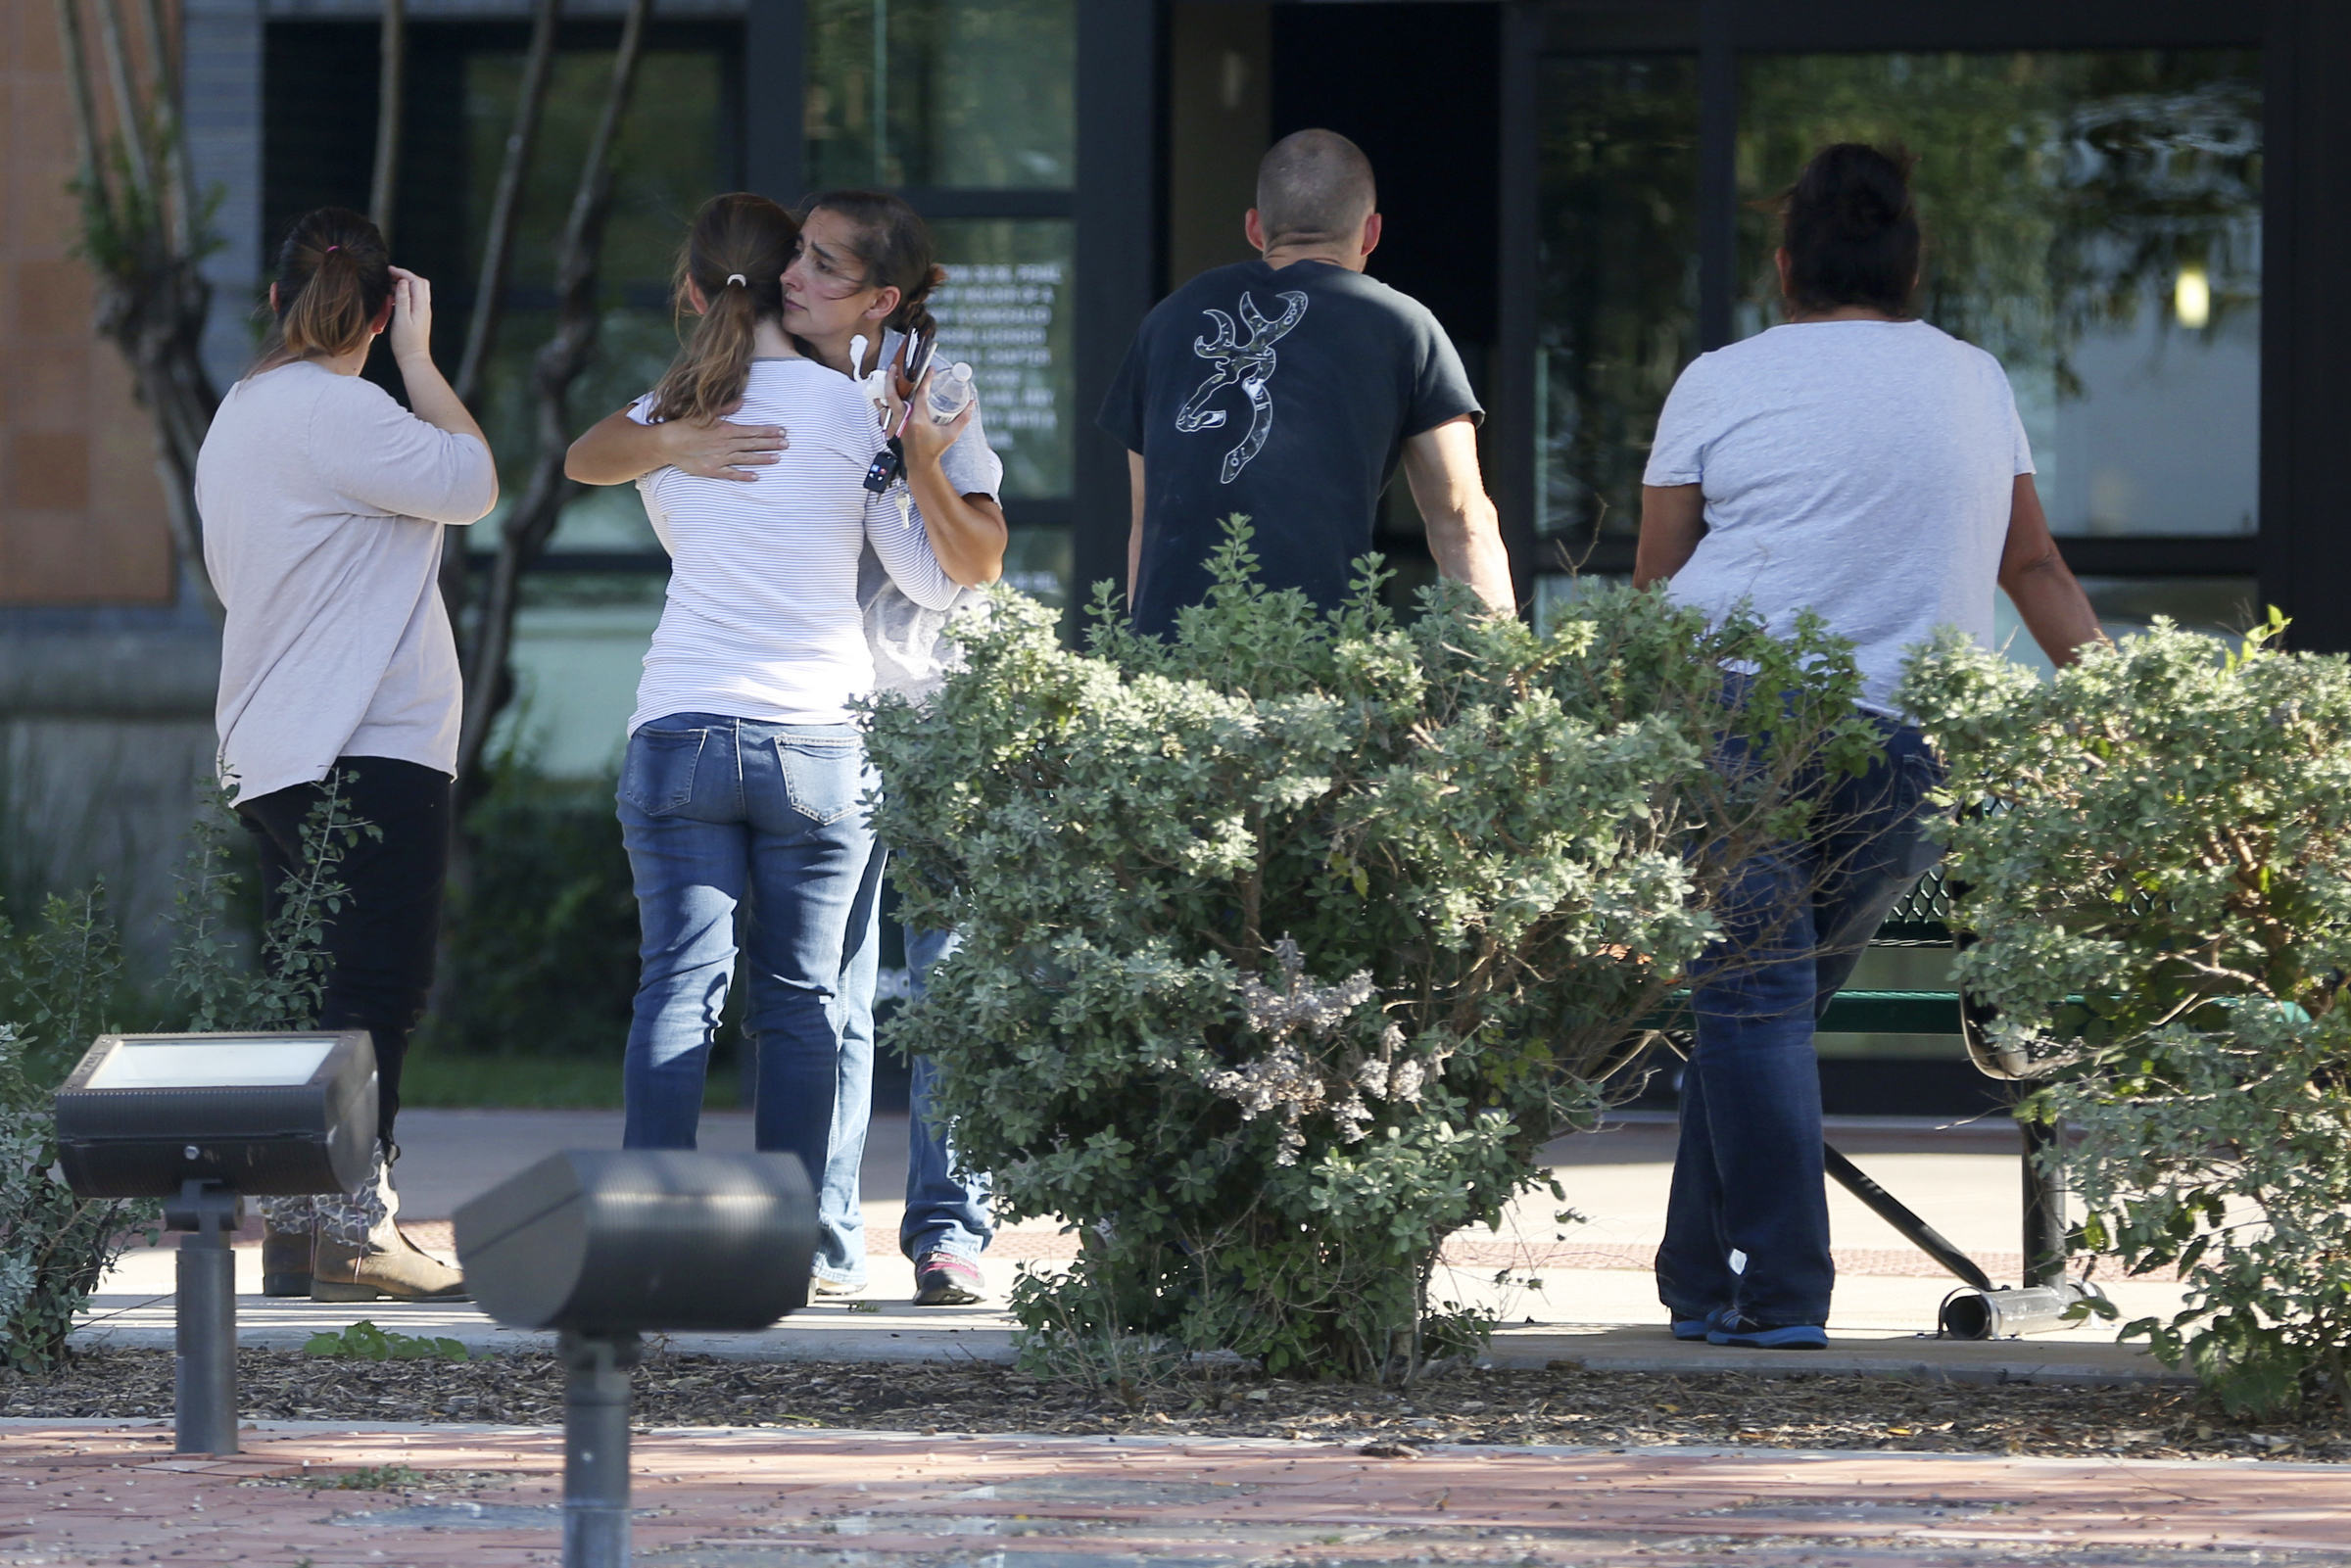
{"x": 1287, "y": 390}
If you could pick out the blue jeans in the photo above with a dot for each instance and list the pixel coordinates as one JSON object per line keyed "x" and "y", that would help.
{"x": 727, "y": 822}
{"x": 1748, "y": 1178}
{"x": 946, "y": 1210}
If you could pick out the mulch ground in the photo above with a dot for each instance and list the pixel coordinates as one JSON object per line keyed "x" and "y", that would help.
{"x": 1606, "y": 1408}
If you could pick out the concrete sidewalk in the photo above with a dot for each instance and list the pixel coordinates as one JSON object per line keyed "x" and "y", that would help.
{"x": 727, "y": 1498}
{"x": 1576, "y": 1292}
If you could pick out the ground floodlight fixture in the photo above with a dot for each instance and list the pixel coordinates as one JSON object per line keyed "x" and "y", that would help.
{"x": 606, "y": 1245}
{"x": 203, "y": 1121}
{"x": 263, "y": 1115}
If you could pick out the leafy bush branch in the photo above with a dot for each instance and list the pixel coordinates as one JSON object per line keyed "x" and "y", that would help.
{"x": 1289, "y": 943}
{"x": 60, "y": 984}
{"x": 2161, "y": 889}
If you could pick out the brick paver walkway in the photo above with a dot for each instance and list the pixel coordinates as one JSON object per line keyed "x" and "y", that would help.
{"x": 738, "y": 1500}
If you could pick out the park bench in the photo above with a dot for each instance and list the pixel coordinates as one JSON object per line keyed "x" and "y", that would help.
{"x": 1921, "y": 919}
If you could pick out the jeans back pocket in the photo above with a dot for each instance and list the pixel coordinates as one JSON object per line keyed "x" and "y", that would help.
{"x": 656, "y": 775}
{"x": 823, "y": 777}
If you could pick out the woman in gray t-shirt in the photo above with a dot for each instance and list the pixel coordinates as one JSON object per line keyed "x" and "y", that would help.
{"x": 1860, "y": 464}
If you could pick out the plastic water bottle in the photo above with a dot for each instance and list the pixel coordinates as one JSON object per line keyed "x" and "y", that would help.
{"x": 951, "y": 391}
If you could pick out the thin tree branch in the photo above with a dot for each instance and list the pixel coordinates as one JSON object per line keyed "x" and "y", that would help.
{"x": 489, "y": 678}
{"x": 130, "y": 120}
{"x": 171, "y": 119}
{"x": 391, "y": 84}
{"x": 498, "y": 264}
{"x": 86, "y": 140}
{"x": 505, "y": 203}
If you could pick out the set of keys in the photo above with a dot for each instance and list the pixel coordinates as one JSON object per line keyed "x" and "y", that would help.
{"x": 951, "y": 392}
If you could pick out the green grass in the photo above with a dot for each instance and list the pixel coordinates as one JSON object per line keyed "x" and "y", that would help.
{"x": 433, "y": 1078}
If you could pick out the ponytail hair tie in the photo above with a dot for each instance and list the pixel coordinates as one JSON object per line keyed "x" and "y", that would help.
{"x": 330, "y": 250}
{"x": 738, "y": 277}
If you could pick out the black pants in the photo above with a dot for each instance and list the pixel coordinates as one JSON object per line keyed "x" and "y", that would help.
{"x": 382, "y": 940}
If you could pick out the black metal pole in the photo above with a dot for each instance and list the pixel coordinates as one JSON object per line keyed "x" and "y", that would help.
{"x": 596, "y": 1448}
{"x": 204, "y": 1365}
{"x": 1925, "y": 1237}
{"x": 2044, "y": 1207}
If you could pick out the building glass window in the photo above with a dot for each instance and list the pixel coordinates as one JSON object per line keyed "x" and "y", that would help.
{"x": 954, "y": 94}
{"x": 1005, "y": 309}
{"x": 2093, "y": 220}
{"x": 1618, "y": 280}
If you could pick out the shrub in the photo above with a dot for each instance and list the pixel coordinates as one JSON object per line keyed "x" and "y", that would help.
{"x": 539, "y": 954}
{"x": 1287, "y": 944}
{"x": 2161, "y": 893}
{"x": 52, "y": 1244}
{"x": 60, "y": 982}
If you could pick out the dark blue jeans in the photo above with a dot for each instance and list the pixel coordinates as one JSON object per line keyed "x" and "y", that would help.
{"x": 731, "y": 823}
{"x": 1747, "y": 1224}
{"x": 946, "y": 1205}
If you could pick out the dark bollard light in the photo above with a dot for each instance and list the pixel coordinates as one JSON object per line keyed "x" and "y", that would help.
{"x": 202, "y": 1121}
{"x": 606, "y": 1245}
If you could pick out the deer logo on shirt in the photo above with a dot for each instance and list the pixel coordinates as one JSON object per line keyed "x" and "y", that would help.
{"x": 1248, "y": 365}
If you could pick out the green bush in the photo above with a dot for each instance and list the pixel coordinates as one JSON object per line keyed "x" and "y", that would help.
{"x": 2161, "y": 890}
{"x": 57, "y": 976}
{"x": 1287, "y": 944}
{"x": 61, "y": 985}
{"x": 540, "y": 951}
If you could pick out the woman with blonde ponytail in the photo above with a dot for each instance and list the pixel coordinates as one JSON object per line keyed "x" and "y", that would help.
{"x": 741, "y": 789}
{"x": 323, "y": 503}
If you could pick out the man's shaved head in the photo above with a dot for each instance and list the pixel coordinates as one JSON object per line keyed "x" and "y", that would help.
{"x": 1314, "y": 188}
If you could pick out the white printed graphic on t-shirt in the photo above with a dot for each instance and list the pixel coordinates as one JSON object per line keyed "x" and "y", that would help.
{"x": 1250, "y": 364}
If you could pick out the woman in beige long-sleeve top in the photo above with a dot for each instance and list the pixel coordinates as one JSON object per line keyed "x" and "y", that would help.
{"x": 323, "y": 503}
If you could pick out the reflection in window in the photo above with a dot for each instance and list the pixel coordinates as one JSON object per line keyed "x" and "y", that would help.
{"x": 1006, "y": 311}
{"x": 1618, "y": 279}
{"x": 959, "y": 93}
{"x": 2223, "y": 609}
{"x": 2094, "y": 219}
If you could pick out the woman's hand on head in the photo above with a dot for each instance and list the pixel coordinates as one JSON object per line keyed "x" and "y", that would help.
{"x": 412, "y": 327}
{"x": 720, "y": 450}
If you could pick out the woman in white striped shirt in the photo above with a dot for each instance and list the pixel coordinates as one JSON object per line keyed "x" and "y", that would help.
{"x": 740, "y": 789}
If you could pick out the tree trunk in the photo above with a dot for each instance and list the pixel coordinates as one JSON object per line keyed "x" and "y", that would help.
{"x": 391, "y": 87}
{"x": 498, "y": 262}
{"x": 490, "y": 679}
{"x": 142, "y": 230}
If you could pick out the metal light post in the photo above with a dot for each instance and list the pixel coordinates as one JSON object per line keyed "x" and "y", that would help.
{"x": 606, "y": 1245}
{"x": 202, "y": 1121}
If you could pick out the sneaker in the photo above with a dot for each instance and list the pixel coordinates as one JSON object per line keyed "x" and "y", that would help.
{"x": 821, "y": 1286}
{"x": 943, "y": 1279}
{"x": 1746, "y": 1332}
{"x": 1698, "y": 1328}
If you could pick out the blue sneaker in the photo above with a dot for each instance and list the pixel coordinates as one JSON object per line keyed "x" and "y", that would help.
{"x": 1698, "y": 1328}
{"x": 1746, "y": 1332}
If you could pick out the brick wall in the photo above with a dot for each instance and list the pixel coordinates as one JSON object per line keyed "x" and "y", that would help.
{"x": 82, "y": 513}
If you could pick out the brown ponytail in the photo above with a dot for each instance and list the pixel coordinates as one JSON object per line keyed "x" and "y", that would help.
{"x": 735, "y": 255}
{"x": 894, "y": 244}
{"x": 333, "y": 277}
